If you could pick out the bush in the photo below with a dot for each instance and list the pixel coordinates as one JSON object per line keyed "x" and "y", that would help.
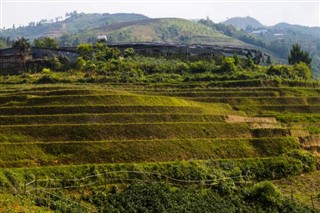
{"x": 46, "y": 71}
{"x": 295, "y": 72}
{"x": 80, "y": 64}
{"x": 228, "y": 65}
{"x": 181, "y": 68}
{"x": 201, "y": 66}
{"x": 266, "y": 194}
{"x": 46, "y": 79}
{"x": 302, "y": 71}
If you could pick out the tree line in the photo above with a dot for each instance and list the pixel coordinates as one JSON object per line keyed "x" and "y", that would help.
{"x": 103, "y": 60}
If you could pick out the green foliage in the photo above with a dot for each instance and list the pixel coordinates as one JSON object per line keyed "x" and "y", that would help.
{"x": 129, "y": 52}
{"x": 297, "y": 55}
{"x": 297, "y": 71}
{"x": 250, "y": 63}
{"x": 201, "y": 66}
{"x": 104, "y": 53}
{"x": 80, "y": 64}
{"x": 65, "y": 63}
{"x": 314, "y": 129}
{"x": 266, "y": 194}
{"x": 228, "y": 65}
{"x": 46, "y": 71}
{"x": 46, "y": 42}
{"x": 269, "y": 62}
{"x": 151, "y": 197}
{"x": 237, "y": 60}
{"x": 54, "y": 63}
{"x": 5, "y": 42}
{"x": 23, "y": 45}
{"x": 85, "y": 51}
{"x": 302, "y": 71}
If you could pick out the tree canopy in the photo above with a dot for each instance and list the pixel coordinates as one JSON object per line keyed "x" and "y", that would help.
{"x": 46, "y": 42}
{"x": 298, "y": 55}
{"x": 23, "y": 45}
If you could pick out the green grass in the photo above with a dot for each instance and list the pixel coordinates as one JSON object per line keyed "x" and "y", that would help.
{"x": 75, "y": 152}
{"x": 270, "y": 132}
{"x": 260, "y": 100}
{"x": 77, "y": 109}
{"x": 251, "y": 168}
{"x": 276, "y": 110}
{"x": 217, "y": 93}
{"x": 67, "y": 131}
{"x": 314, "y": 130}
{"x": 13, "y": 203}
{"x": 298, "y": 118}
{"x": 302, "y": 187}
{"x": 85, "y": 132}
{"x": 96, "y": 100}
{"x": 109, "y": 118}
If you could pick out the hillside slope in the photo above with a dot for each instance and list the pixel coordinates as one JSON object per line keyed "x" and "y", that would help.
{"x": 165, "y": 30}
{"x": 84, "y": 143}
{"x": 74, "y": 23}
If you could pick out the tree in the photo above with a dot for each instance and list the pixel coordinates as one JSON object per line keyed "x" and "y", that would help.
{"x": 269, "y": 62}
{"x": 298, "y": 55}
{"x": 23, "y": 45}
{"x": 46, "y": 42}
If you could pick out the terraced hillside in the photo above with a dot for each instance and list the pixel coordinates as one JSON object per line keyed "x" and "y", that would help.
{"x": 189, "y": 134}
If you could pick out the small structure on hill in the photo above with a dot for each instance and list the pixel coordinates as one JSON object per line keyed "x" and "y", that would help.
{"x": 102, "y": 38}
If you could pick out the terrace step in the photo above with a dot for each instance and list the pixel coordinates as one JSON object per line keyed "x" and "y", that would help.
{"x": 108, "y": 118}
{"x": 112, "y": 99}
{"x": 77, "y": 109}
{"x": 260, "y": 100}
{"x": 75, "y": 152}
{"x": 291, "y": 108}
{"x": 206, "y": 93}
{"x": 83, "y": 132}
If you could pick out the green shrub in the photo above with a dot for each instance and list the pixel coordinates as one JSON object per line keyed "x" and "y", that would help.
{"x": 228, "y": 65}
{"x": 46, "y": 71}
{"x": 80, "y": 64}
{"x": 266, "y": 194}
{"x": 46, "y": 79}
{"x": 201, "y": 66}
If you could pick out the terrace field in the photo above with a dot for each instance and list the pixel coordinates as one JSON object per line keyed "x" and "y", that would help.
{"x": 65, "y": 147}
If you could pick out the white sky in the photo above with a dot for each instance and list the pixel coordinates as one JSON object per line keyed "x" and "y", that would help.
{"x": 268, "y": 12}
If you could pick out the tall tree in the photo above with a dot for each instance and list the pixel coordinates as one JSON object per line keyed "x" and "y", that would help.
{"x": 23, "y": 45}
{"x": 298, "y": 55}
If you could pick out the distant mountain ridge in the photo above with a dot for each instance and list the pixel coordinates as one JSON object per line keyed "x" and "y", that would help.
{"x": 280, "y": 37}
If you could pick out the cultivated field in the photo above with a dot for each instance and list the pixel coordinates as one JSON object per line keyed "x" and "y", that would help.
{"x": 58, "y": 143}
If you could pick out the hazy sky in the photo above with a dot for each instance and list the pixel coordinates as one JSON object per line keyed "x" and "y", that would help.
{"x": 268, "y": 12}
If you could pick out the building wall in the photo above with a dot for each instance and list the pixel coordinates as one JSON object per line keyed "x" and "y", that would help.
{"x": 9, "y": 64}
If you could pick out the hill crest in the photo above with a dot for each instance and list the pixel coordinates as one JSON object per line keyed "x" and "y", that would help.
{"x": 244, "y": 22}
